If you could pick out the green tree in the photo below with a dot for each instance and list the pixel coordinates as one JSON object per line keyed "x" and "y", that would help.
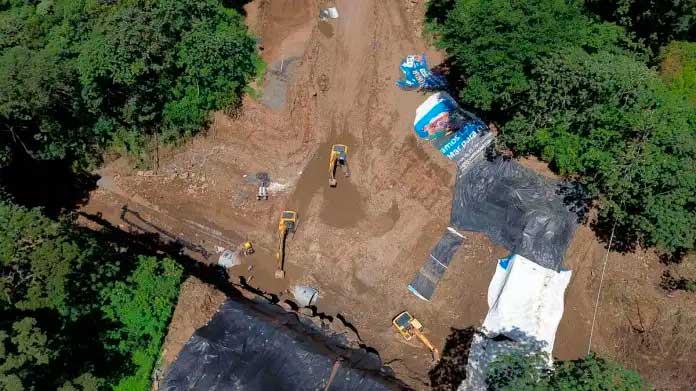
{"x": 591, "y": 373}
{"x": 142, "y": 305}
{"x": 654, "y": 23}
{"x": 678, "y": 68}
{"x": 215, "y": 67}
{"x": 80, "y": 76}
{"x": 496, "y": 43}
{"x": 39, "y": 104}
{"x": 73, "y": 310}
{"x": 161, "y": 66}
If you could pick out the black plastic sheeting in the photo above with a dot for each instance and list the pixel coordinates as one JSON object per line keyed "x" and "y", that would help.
{"x": 529, "y": 215}
{"x": 258, "y": 346}
{"x": 516, "y": 208}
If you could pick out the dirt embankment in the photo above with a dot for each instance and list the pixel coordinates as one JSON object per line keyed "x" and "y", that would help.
{"x": 361, "y": 243}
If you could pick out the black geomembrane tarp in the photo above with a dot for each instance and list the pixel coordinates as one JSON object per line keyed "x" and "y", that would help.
{"x": 254, "y": 346}
{"x": 516, "y": 209}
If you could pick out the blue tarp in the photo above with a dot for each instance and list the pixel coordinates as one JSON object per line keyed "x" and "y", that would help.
{"x": 418, "y": 76}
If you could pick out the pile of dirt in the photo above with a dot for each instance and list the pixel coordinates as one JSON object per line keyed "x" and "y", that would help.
{"x": 197, "y": 303}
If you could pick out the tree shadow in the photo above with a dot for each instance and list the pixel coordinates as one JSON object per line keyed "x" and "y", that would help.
{"x": 50, "y": 184}
{"x": 576, "y": 198}
{"x": 671, "y": 283}
{"x": 437, "y": 10}
{"x": 237, "y": 5}
{"x": 450, "y": 371}
{"x": 143, "y": 225}
{"x": 469, "y": 353}
{"x": 625, "y": 239}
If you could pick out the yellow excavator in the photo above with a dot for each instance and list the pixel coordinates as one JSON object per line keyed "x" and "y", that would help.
{"x": 410, "y": 327}
{"x": 338, "y": 157}
{"x": 286, "y": 225}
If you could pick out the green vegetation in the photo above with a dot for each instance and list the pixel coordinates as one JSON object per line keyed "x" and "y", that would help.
{"x": 579, "y": 94}
{"x": 80, "y": 78}
{"x": 592, "y": 373}
{"x": 82, "y": 75}
{"x": 678, "y": 68}
{"x": 653, "y": 23}
{"x": 78, "y": 313}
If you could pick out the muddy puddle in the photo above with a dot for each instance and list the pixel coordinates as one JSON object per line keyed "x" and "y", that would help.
{"x": 341, "y": 206}
{"x": 326, "y": 29}
{"x": 257, "y": 273}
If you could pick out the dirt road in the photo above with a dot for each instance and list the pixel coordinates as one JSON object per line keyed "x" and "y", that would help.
{"x": 360, "y": 243}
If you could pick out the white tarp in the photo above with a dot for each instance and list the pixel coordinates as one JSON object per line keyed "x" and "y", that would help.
{"x": 525, "y": 307}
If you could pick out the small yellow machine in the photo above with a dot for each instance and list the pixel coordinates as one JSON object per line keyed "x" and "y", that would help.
{"x": 287, "y": 224}
{"x": 338, "y": 157}
{"x": 408, "y": 327}
{"x": 247, "y": 248}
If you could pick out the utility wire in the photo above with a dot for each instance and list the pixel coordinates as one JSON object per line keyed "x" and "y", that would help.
{"x": 599, "y": 291}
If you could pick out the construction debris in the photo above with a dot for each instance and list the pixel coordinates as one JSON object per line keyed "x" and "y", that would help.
{"x": 304, "y": 295}
{"x": 228, "y": 259}
{"x": 328, "y": 13}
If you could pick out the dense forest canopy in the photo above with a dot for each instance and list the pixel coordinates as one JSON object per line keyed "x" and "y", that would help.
{"x": 581, "y": 93}
{"x": 79, "y": 311}
{"x": 653, "y": 23}
{"x": 80, "y": 76}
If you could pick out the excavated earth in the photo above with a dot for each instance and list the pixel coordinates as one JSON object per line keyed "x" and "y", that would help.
{"x": 361, "y": 243}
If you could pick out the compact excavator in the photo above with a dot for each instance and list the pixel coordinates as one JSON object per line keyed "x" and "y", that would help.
{"x": 338, "y": 157}
{"x": 286, "y": 225}
{"x": 410, "y": 327}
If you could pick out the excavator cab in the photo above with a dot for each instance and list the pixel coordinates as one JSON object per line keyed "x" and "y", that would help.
{"x": 288, "y": 219}
{"x": 286, "y": 224}
{"x": 338, "y": 157}
{"x": 247, "y": 248}
{"x": 408, "y": 327}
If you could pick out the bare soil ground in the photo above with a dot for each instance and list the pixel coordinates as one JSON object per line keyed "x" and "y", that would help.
{"x": 361, "y": 243}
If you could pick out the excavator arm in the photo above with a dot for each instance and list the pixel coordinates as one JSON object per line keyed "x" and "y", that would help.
{"x": 280, "y": 253}
{"x": 332, "y": 168}
{"x": 428, "y": 344}
{"x": 286, "y": 225}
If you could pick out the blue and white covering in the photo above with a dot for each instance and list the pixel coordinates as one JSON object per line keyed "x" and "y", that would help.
{"x": 418, "y": 76}
{"x": 455, "y": 132}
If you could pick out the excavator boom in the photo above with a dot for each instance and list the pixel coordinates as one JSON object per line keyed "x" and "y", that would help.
{"x": 286, "y": 224}
{"x": 428, "y": 344}
{"x": 280, "y": 254}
